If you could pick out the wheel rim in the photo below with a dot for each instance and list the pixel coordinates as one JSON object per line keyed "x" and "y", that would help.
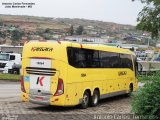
{"x": 95, "y": 99}
{"x": 14, "y": 72}
{"x": 130, "y": 90}
{"x": 85, "y": 99}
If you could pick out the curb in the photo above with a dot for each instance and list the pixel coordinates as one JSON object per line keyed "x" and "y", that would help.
{"x": 11, "y": 80}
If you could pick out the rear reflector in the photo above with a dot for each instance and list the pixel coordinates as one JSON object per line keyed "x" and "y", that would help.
{"x": 22, "y": 84}
{"x": 60, "y": 88}
{"x": 81, "y": 45}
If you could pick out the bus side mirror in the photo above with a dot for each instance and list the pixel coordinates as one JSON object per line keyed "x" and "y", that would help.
{"x": 139, "y": 68}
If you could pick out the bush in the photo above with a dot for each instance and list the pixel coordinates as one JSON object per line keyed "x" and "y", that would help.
{"x": 148, "y": 77}
{"x": 16, "y": 34}
{"x": 146, "y": 102}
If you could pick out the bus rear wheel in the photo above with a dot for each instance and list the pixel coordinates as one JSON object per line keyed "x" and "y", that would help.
{"x": 95, "y": 98}
{"x": 130, "y": 90}
{"x": 85, "y": 100}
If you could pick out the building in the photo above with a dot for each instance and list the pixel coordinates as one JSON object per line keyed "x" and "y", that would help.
{"x": 86, "y": 39}
{"x": 11, "y": 49}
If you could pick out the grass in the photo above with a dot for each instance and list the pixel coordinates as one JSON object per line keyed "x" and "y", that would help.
{"x": 149, "y": 77}
{"x": 9, "y": 77}
{"x": 144, "y": 78}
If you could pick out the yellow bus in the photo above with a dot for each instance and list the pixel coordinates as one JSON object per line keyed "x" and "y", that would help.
{"x": 65, "y": 73}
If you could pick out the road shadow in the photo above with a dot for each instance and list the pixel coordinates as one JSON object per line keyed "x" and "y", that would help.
{"x": 59, "y": 109}
{"x": 114, "y": 99}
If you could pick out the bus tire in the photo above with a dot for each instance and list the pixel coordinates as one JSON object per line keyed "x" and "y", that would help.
{"x": 130, "y": 90}
{"x": 85, "y": 100}
{"x": 95, "y": 98}
{"x": 15, "y": 71}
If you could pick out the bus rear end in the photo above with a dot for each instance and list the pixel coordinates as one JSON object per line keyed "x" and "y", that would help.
{"x": 41, "y": 81}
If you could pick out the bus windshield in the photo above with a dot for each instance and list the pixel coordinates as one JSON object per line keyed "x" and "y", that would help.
{"x": 4, "y": 57}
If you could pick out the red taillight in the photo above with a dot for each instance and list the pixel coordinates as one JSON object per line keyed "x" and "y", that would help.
{"x": 22, "y": 84}
{"x": 60, "y": 88}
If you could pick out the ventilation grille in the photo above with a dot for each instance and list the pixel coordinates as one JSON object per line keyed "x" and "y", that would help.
{"x": 2, "y": 65}
{"x": 41, "y": 71}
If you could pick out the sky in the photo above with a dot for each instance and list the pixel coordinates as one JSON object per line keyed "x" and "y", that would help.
{"x": 117, "y": 11}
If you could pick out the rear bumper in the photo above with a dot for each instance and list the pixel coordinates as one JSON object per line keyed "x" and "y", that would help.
{"x": 43, "y": 100}
{"x": 24, "y": 97}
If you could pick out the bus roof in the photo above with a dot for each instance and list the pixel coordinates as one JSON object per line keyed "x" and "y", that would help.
{"x": 93, "y": 46}
{"x": 100, "y": 47}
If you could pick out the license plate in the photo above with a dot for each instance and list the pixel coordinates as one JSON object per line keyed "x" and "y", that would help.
{"x": 39, "y": 98}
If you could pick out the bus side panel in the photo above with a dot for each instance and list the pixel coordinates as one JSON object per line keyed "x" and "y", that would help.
{"x": 24, "y": 95}
{"x": 122, "y": 79}
{"x": 73, "y": 86}
{"x": 71, "y": 94}
{"x": 96, "y": 77}
{"x": 117, "y": 80}
{"x": 62, "y": 69}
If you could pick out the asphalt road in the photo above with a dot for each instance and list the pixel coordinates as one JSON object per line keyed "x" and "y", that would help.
{"x": 9, "y": 90}
{"x": 11, "y": 104}
{"x": 12, "y": 89}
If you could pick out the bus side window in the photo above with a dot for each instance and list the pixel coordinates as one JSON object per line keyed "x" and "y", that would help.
{"x": 109, "y": 59}
{"x": 104, "y": 59}
{"x": 126, "y": 61}
{"x": 76, "y": 57}
{"x": 79, "y": 57}
{"x": 87, "y": 58}
{"x": 95, "y": 61}
{"x": 92, "y": 58}
{"x": 70, "y": 55}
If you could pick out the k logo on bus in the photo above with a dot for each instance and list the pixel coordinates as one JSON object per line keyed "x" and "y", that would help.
{"x": 39, "y": 80}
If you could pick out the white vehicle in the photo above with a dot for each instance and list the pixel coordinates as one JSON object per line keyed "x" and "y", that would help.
{"x": 10, "y": 63}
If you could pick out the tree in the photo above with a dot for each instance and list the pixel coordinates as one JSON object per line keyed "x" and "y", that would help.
{"x": 47, "y": 30}
{"x": 149, "y": 17}
{"x": 47, "y": 37}
{"x": 79, "y": 30}
{"x": 71, "y": 30}
{"x": 16, "y": 35}
{"x": 1, "y": 23}
{"x": 3, "y": 34}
